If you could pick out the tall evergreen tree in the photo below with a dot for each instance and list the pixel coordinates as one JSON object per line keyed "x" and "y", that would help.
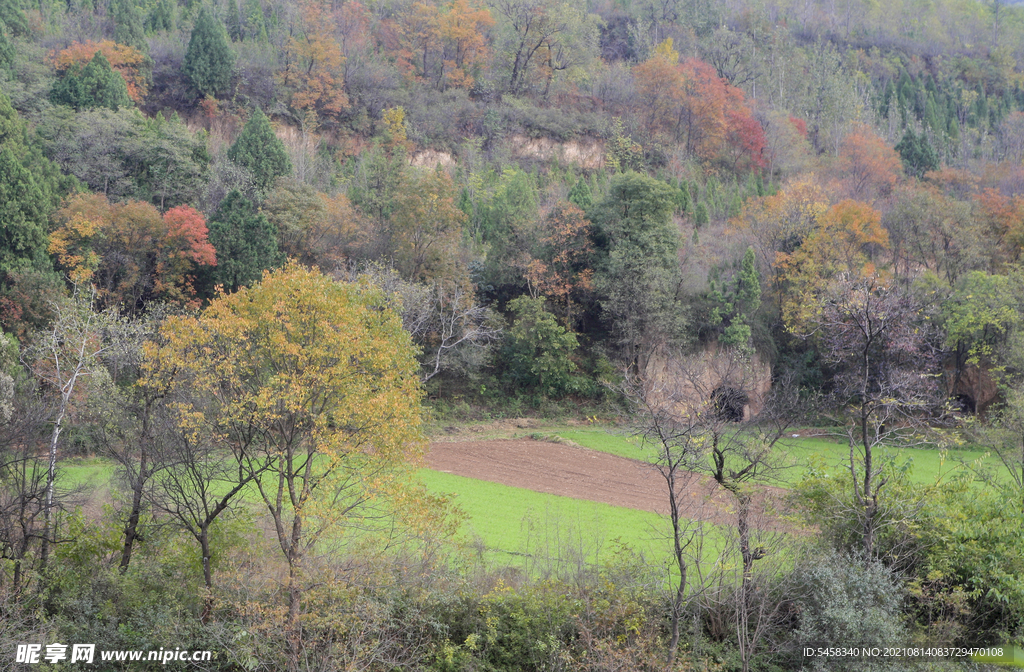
{"x": 128, "y": 24}
{"x": 245, "y": 241}
{"x": 208, "y": 60}
{"x": 637, "y": 264}
{"x": 260, "y": 151}
{"x": 917, "y": 153}
{"x": 12, "y": 18}
{"x": 161, "y": 17}
{"x": 23, "y": 215}
{"x": 95, "y": 85}
{"x": 6, "y": 51}
{"x": 234, "y": 22}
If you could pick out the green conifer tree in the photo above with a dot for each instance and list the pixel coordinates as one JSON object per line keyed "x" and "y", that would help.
{"x": 208, "y": 60}
{"x": 581, "y": 195}
{"x": 234, "y": 22}
{"x": 95, "y": 85}
{"x": 161, "y": 17}
{"x": 128, "y": 24}
{"x": 6, "y": 51}
{"x": 255, "y": 22}
{"x": 700, "y": 215}
{"x": 23, "y": 214}
{"x": 245, "y": 241}
{"x": 262, "y": 152}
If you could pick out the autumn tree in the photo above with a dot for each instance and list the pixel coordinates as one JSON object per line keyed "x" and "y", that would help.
{"x": 318, "y": 379}
{"x": 845, "y": 240}
{"x": 314, "y": 228}
{"x": 426, "y": 227}
{"x": 445, "y": 45}
{"x": 208, "y": 60}
{"x": 129, "y": 252}
{"x": 866, "y": 168}
{"x": 261, "y": 152}
{"x": 563, "y": 269}
{"x": 1003, "y": 216}
{"x": 314, "y": 66}
{"x": 692, "y": 105}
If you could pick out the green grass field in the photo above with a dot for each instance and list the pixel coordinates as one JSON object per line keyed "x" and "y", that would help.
{"x": 515, "y": 527}
{"x": 926, "y": 465}
{"x": 534, "y": 530}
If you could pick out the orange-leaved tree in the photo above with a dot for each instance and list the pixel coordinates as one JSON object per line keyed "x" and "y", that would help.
{"x": 313, "y": 385}
{"x": 1004, "y": 217}
{"x": 129, "y": 252}
{"x": 780, "y": 223}
{"x": 867, "y": 168}
{"x": 563, "y": 273}
{"x": 846, "y": 242}
{"x": 315, "y": 62}
{"x": 127, "y": 61}
{"x": 444, "y": 45}
{"x": 690, "y": 103}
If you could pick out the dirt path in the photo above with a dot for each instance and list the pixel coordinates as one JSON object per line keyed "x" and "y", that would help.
{"x": 577, "y": 472}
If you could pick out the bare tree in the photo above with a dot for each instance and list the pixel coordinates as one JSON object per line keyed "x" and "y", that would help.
{"x": 23, "y": 490}
{"x": 60, "y": 357}
{"x": 885, "y": 393}
{"x": 198, "y": 484}
{"x": 442, "y": 317}
{"x": 676, "y": 444}
{"x": 721, "y": 423}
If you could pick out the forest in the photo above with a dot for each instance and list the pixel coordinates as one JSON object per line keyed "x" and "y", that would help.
{"x": 256, "y": 255}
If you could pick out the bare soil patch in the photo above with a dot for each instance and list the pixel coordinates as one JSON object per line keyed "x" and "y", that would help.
{"x": 580, "y": 473}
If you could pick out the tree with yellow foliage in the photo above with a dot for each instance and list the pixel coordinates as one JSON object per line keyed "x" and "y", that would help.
{"x": 317, "y": 379}
{"x": 845, "y": 242}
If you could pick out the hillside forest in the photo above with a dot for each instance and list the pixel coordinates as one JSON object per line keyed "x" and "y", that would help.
{"x": 253, "y": 253}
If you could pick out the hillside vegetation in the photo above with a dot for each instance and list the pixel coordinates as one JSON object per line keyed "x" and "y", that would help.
{"x": 252, "y": 253}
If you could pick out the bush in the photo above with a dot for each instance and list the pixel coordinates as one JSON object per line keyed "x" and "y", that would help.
{"x": 847, "y": 601}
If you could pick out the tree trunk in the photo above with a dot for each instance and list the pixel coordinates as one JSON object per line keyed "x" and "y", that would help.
{"x": 204, "y": 543}
{"x": 51, "y": 475}
{"x": 132, "y": 526}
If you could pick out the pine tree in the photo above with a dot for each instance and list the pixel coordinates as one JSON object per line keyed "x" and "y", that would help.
{"x": 12, "y": 18}
{"x": 161, "y": 17}
{"x": 245, "y": 241}
{"x": 919, "y": 157}
{"x": 255, "y": 23}
{"x": 6, "y": 51}
{"x": 128, "y": 25}
{"x": 23, "y": 215}
{"x": 234, "y": 22}
{"x": 581, "y": 195}
{"x": 262, "y": 152}
{"x": 95, "y": 85}
{"x": 208, "y": 60}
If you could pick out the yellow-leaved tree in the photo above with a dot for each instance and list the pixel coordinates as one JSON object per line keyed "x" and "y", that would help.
{"x": 314, "y": 387}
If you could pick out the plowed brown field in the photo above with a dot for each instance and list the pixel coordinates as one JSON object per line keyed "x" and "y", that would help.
{"x": 579, "y": 473}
